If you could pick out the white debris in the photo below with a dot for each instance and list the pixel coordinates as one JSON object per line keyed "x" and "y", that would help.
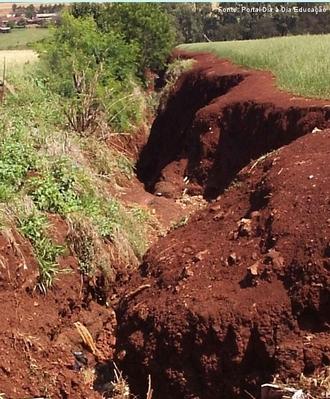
{"x": 274, "y": 391}
{"x": 299, "y": 395}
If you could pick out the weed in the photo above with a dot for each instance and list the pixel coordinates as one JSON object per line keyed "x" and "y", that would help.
{"x": 33, "y": 227}
{"x": 17, "y": 158}
{"x": 174, "y": 71}
{"x": 118, "y": 388}
{"x": 88, "y": 247}
{"x": 54, "y": 191}
{"x": 182, "y": 222}
{"x": 107, "y": 162}
{"x": 6, "y": 192}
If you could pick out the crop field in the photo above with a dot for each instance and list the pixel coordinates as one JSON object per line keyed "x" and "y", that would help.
{"x": 22, "y": 38}
{"x": 301, "y": 64}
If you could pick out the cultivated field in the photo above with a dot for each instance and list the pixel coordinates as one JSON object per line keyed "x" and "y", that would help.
{"x": 21, "y": 38}
{"x": 300, "y": 63}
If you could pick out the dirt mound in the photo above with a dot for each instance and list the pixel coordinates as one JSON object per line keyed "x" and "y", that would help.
{"x": 38, "y": 336}
{"x": 216, "y": 120}
{"x": 241, "y": 292}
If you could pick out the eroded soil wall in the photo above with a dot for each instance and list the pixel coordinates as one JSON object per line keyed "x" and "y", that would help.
{"x": 216, "y": 120}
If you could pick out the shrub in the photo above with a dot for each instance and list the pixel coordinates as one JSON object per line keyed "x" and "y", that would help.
{"x": 88, "y": 68}
{"x": 16, "y": 159}
{"x": 55, "y": 189}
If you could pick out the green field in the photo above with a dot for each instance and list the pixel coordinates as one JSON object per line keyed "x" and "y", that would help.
{"x": 21, "y": 38}
{"x": 301, "y": 64}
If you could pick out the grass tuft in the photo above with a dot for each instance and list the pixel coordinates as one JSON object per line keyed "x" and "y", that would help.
{"x": 34, "y": 227}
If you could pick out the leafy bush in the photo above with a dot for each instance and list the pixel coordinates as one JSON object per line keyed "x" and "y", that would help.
{"x": 90, "y": 69}
{"x": 17, "y": 158}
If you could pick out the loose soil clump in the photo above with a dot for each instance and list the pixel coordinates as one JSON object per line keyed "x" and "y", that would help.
{"x": 241, "y": 292}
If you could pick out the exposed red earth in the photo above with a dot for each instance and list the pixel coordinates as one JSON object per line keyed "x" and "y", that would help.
{"x": 38, "y": 337}
{"x": 218, "y": 118}
{"x": 241, "y": 293}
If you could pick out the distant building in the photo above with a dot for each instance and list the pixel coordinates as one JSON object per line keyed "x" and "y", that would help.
{"x": 52, "y": 15}
{"x": 4, "y": 29}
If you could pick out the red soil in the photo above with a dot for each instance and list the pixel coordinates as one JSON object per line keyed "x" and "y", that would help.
{"x": 219, "y": 117}
{"x": 240, "y": 293}
{"x": 38, "y": 336}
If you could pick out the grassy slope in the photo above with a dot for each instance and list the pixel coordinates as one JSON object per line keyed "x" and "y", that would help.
{"x": 21, "y": 38}
{"x": 47, "y": 169}
{"x": 301, "y": 64}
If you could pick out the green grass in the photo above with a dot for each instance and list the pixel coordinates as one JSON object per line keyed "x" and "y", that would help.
{"x": 34, "y": 227}
{"x": 301, "y": 64}
{"x": 47, "y": 169}
{"x": 22, "y": 38}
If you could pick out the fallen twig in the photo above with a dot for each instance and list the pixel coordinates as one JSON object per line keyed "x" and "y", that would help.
{"x": 136, "y": 291}
{"x": 150, "y": 390}
{"x": 87, "y": 339}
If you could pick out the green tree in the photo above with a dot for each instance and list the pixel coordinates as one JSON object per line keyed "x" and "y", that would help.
{"x": 146, "y": 25}
{"x": 30, "y": 11}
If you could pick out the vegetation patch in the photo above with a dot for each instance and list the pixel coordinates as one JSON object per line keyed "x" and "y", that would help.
{"x": 45, "y": 168}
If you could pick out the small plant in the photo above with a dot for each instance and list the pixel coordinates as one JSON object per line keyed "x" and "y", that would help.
{"x": 16, "y": 159}
{"x": 89, "y": 248}
{"x": 182, "y": 222}
{"x": 54, "y": 191}
{"x": 33, "y": 227}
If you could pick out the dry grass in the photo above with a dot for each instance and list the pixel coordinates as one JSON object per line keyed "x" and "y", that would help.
{"x": 119, "y": 388}
{"x": 315, "y": 387}
{"x": 16, "y": 60}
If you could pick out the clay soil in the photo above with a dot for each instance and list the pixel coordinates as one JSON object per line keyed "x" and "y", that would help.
{"x": 218, "y": 118}
{"x": 38, "y": 337}
{"x": 241, "y": 293}
{"x": 223, "y": 303}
